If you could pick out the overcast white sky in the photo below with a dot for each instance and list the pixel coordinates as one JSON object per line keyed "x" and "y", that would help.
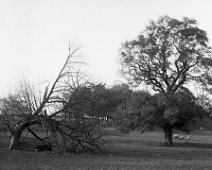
{"x": 34, "y": 34}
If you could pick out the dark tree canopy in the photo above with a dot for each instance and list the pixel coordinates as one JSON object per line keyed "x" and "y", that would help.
{"x": 167, "y": 54}
{"x": 178, "y": 110}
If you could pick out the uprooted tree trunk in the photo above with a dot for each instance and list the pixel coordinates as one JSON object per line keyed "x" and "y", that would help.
{"x": 16, "y": 137}
{"x": 15, "y": 140}
{"x": 25, "y": 108}
{"x": 168, "y": 135}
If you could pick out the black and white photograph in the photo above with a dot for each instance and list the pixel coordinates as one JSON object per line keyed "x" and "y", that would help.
{"x": 105, "y": 85}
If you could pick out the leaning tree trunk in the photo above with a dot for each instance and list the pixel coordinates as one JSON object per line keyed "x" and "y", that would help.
{"x": 16, "y": 138}
{"x": 168, "y": 135}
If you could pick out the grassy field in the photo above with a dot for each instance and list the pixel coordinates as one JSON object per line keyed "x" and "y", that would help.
{"x": 132, "y": 151}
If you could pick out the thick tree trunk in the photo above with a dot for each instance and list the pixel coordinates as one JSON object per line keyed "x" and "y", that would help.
{"x": 16, "y": 138}
{"x": 168, "y": 135}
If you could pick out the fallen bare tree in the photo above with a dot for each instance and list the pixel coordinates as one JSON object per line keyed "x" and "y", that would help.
{"x": 61, "y": 111}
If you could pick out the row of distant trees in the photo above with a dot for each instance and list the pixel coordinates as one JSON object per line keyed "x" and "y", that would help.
{"x": 75, "y": 119}
{"x": 167, "y": 56}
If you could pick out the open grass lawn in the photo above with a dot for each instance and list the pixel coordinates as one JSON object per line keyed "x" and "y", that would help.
{"x": 132, "y": 151}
